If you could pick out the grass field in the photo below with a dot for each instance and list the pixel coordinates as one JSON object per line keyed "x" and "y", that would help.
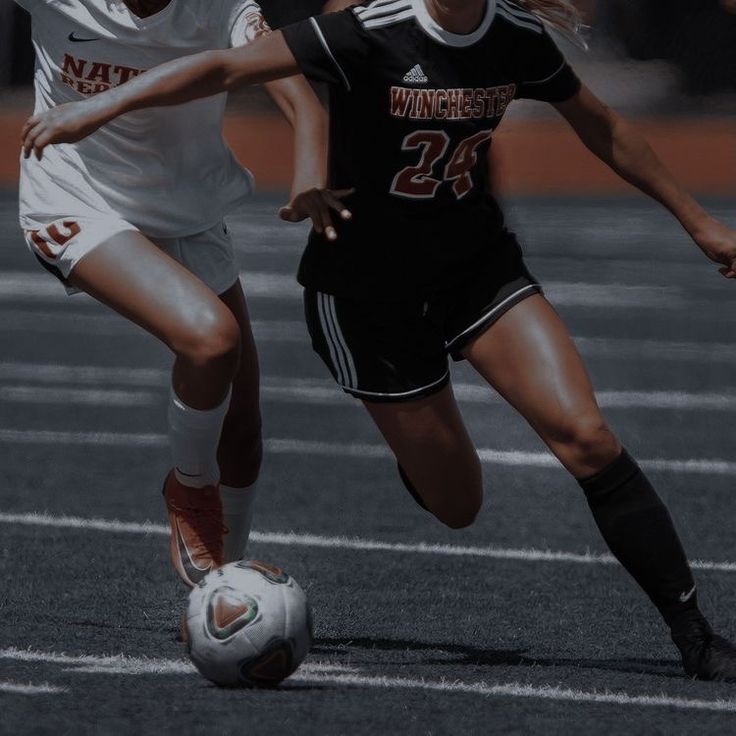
{"x": 520, "y": 624}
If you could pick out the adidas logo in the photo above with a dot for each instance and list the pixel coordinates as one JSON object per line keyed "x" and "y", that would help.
{"x": 415, "y": 75}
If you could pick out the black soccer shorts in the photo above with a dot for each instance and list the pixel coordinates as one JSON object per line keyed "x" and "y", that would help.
{"x": 388, "y": 351}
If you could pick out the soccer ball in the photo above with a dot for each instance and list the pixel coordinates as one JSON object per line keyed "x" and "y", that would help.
{"x": 248, "y": 624}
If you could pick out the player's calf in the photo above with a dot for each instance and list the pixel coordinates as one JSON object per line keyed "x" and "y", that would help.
{"x": 239, "y": 456}
{"x": 640, "y": 533}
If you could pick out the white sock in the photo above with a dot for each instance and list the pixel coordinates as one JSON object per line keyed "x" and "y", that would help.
{"x": 237, "y": 508}
{"x": 194, "y": 435}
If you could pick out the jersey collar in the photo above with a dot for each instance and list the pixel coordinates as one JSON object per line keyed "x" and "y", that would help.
{"x": 438, "y": 33}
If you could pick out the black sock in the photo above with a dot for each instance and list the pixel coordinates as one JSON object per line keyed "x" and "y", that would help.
{"x": 639, "y": 532}
{"x": 410, "y": 487}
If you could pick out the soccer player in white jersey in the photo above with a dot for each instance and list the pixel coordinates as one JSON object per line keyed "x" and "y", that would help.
{"x": 134, "y": 217}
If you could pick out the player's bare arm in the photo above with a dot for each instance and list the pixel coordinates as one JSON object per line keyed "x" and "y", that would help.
{"x": 173, "y": 83}
{"x": 309, "y": 196}
{"x": 308, "y": 118}
{"x": 618, "y": 143}
{"x": 202, "y": 75}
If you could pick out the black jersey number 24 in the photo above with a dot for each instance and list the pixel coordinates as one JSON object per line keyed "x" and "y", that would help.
{"x": 418, "y": 182}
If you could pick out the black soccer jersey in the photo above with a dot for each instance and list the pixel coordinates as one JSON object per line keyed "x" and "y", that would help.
{"x": 413, "y": 108}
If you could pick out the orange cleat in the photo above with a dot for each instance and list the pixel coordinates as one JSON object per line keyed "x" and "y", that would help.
{"x": 197, "y": 529}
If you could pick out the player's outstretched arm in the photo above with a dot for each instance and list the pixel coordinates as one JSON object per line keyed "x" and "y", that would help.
{"x": 309, "y": 198}
{"x": 618, "y": 143}
{"x": 308, "y": 118}
{"x": 172, "y": 83}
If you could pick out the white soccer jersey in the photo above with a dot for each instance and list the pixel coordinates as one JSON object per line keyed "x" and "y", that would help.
{"x": 166, "y": 170}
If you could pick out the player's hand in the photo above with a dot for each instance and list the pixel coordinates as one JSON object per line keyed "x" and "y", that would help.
{"x": 718, "y": 242}
{"x": 318, "y": 204}
{"x": 67, "y": 123}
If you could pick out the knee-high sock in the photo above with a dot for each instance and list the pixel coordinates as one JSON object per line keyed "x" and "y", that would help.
{"x": 237, "y": 509}
{"x": 639, "y": 532}
{"x": 194, "y": 435}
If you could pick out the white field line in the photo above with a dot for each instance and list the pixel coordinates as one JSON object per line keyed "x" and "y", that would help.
{"x": 80, "y": 323}
{"x": 121, "y": 664}
{"x": 98, "y": 439}
{"x": 62, "y": 322}
{"x": 79, "y": 396}
{"x": 17, "y": 688}
{"x": 36, "y": 287}
{"x": 302, "y": 390}
{"x": 358, "y": 450}
{"x": 315, "y": 541}
{"x": 519, "y": 690}
{"x": 312, "y": 673}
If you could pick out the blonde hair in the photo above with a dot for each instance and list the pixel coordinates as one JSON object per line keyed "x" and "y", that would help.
{"x": 561, "y": 15}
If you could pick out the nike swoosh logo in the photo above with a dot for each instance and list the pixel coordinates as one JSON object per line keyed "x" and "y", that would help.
{"x": 685, "y": 597}
{"x": 194, "y": 573}
{"x": 73, "y": 37}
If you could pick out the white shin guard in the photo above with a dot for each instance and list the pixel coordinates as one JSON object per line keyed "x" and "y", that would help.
{"x": 194, "y": 436}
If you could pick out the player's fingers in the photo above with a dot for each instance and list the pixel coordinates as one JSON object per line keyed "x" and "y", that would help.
{"x": 340, "y": 193}
{"x": 314, "y": 206}
{"x": 330, "y": 232}
{"x": 31, "y": 123}
{"x": 29, "y": 140}
{"x": 337, "y": 205}
{"x": 289, "y": 214}
{"x": 321, "y": 218}
{"x": 728, "y": 272}
{"x": 41, "y": 141}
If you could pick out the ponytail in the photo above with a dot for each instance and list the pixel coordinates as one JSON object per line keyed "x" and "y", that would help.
{"x": 562, "y": 15}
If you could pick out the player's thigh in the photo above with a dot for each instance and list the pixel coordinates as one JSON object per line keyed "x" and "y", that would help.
{"x": 134, "y": 277}
{"x": 391, "y": 356}
{"x": 529, "y": 357}
{"x": 432, "y": 445}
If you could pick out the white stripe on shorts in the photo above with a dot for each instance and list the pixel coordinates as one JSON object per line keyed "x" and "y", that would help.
{"x": 353, "y": 374}
{"x": 328, "y": 338}
{"x": 342, "y": 359}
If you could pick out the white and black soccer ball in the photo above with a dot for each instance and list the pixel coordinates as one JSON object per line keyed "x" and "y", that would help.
{"x": 248, "y": 625}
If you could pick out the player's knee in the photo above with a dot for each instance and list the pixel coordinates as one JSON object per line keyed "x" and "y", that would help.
{"x": 588, "y": 441}
{"x": 460, "y": 507}
{"x": 463, "y": 513}
{"x": 211, "y": 337}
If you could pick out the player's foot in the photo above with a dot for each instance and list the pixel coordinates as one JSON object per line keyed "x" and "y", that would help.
{"x": 197, "y": 529}
{"x": 705, "y": 655}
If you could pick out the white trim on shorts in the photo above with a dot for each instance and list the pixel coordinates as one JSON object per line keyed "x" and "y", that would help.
{"x": 342, "y": 358}
{"x": 399, "y": 394}
{"x": 489, "y": 314}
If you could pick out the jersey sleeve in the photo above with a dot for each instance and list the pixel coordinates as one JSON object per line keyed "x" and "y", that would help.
{"x": 246, "y": 23}
{"x": 329, "y": 48}
{"x": 547, "y": 76}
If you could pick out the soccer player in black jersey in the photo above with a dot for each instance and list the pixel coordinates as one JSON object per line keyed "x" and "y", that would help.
{"x": 419, "y": 264}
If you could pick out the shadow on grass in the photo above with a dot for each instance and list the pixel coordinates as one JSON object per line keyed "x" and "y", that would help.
{"x": 460, "y": 654}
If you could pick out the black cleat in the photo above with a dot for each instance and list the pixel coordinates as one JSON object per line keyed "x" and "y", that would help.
{"x": 705, "y": 655}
